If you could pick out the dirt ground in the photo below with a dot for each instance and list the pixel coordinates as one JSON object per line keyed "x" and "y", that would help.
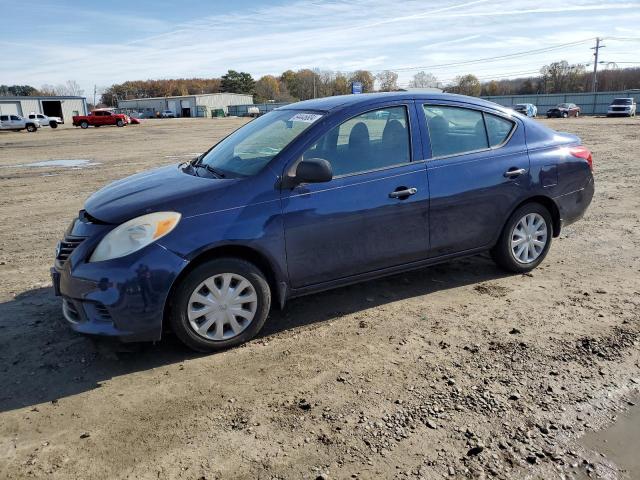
{"x": 456, "y": 371}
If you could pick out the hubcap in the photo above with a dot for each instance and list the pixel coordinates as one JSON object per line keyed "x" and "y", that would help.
{"x": 528, "y": 238}
{"x": 222, "y": 306}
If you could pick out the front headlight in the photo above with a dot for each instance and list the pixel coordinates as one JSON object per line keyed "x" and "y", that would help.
{"x": 134, "y": 235}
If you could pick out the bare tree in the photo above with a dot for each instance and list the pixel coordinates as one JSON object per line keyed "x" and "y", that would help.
{"x": 388, "y": 81}
{"x": 423, "y": 80}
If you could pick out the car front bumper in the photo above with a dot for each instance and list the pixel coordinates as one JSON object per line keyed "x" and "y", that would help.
{"x": 124, "y": 297}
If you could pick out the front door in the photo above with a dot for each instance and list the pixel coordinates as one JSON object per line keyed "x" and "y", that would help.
{"x": 478, "y": 173}
{"x": 373, "y": 214}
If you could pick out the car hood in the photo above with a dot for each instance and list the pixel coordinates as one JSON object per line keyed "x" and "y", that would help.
{"x": 163, "y": 189}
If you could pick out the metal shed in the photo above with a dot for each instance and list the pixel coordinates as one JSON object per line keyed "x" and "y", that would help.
{"x": 59, "y": 106}
{"x": 186, "y": 105}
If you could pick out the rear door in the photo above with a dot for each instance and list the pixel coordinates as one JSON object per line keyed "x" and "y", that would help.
{"x": 478, "y": 172}
{"x": 373, "y": 214}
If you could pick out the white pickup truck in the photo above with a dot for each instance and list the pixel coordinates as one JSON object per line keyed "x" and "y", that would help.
{"x": 17, "y": 123}
{"x": 44, "y": 120}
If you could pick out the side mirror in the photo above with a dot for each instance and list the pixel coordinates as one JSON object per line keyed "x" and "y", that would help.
{"x": 313, "y": 170}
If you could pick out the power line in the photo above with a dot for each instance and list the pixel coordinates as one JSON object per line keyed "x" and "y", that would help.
{"x": 489, "y": 59}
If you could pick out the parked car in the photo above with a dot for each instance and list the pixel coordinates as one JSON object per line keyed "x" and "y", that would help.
{"x": 622, "y": 106}
{"x": 564, "y": 110}
{"x": 17, "y": 123}
{"x": 44, "y": 120}
{"x": 528, "y": 109}
{"x": 167, "y": 114}
{"x": 98, "y": 118}
{"x": 311, "y": 196}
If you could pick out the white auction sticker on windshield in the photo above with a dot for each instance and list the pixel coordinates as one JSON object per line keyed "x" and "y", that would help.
{"x": 305, "y": 117}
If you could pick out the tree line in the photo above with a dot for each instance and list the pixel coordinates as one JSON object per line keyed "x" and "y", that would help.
{"x": 289, "y": 86}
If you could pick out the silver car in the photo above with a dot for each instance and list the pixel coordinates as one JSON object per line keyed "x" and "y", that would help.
{"x": 17, "y": 123}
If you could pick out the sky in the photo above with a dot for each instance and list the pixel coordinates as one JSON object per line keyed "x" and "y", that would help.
{"x": 101, "y": 43}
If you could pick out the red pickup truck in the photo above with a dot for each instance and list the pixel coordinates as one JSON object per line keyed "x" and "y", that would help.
{"x": 98, "y": 118}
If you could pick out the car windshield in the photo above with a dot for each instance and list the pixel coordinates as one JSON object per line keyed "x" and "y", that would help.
{"x": 622, "y": 101}
{"x": 564, "y": 105}
{"x": 247, "y": 150}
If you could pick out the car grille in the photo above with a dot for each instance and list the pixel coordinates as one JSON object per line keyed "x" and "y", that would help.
{"x": 67, "y": 246}
{"x": 619, "y": 109}
{"x": 103, "y": 313}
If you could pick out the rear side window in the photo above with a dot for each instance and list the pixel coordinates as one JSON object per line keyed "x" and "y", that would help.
{"x": 498, "y": 129}
{"x": 4, "y": 117}
{"x": 373, "y": 140}
{"x": 458, "y": 130}
{"x": 13, "y": 117}
{"x": 455, "y": 130}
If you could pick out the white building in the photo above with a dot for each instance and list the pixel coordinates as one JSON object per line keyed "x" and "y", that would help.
{"x": 186, "y": 105}
{"x": 62, "y": 106}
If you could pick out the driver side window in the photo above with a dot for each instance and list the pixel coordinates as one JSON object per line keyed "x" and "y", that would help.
{"x": 371, "y": 141}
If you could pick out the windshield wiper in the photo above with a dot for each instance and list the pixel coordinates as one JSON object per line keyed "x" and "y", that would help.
{"x": 210, "y": 169}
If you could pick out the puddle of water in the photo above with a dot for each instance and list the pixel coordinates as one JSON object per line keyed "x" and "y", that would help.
{"x": 619, "y": 442}
{"x": 55, "y": 163}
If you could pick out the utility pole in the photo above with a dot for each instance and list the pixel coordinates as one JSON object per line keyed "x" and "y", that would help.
{"x": 95, "y": 90}
{"x": 594, "y": 83}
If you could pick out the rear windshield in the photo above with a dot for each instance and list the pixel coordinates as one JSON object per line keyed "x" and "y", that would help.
{"x": 622, "y": 101}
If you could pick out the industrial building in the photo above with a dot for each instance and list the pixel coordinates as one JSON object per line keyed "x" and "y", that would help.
{"x": 60, "y": 106}
{"x": 186, "y": 105}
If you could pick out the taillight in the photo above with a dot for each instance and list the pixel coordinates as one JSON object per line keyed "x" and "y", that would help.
{"x": 584, "y": 153}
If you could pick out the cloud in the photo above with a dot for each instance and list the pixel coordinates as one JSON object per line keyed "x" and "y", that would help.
{"x": 340, "y": 35}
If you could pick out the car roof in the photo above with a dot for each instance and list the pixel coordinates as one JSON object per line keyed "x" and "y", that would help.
{"x": 327, "y": 104}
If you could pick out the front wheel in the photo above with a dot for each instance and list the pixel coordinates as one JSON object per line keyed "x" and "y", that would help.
{"x": 220, "y": 304}
{"x": 53, "y": 124}
{"x": 565, "y": 114}
{"x": 31, "y": 128}
{"x": 84, "y": 124}
{"x": 120, "y": 123}
{"x": 577, "y": 114}
{"x": 525, "y": 239}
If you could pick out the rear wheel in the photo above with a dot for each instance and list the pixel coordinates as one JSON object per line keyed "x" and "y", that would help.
{"x": 565, "y": 114}
{"x": 525, "y": 239}
{"x": 84, "y": 124}
{"x": 220, "y": 304}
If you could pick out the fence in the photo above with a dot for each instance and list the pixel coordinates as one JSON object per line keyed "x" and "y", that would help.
{"x": 590, "y": 103}
{"x": 243, "y": 110}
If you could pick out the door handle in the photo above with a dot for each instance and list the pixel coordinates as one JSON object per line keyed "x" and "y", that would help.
{"x": 515, "y": 172}
{"x": 407, "y": 192}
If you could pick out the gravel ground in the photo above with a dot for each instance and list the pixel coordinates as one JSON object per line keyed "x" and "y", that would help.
{"x": 456, "y": 371}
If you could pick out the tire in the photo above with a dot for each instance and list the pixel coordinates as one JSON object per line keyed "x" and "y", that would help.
{"x": 53, "y": 124}
{"x": 565, "y": 114}
{"x": 120, "y": 123}
{"x": 577, "y": 114}
{"x": 503, "y": 253}
{"x": 184, "y": 310}
{"x": 31, "y": 128}
{"x": 84, "y": 124}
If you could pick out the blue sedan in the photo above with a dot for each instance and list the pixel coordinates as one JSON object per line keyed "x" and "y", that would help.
{"x": 313, "y": 196}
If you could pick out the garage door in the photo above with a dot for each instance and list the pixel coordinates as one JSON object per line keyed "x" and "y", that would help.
{"x": 10, "y": 108}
